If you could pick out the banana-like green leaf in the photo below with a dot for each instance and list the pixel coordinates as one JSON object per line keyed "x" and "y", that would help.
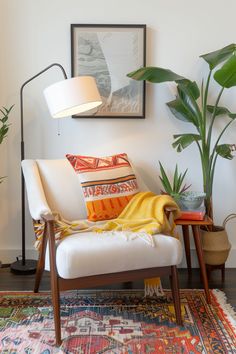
{"x": 225, "y": 151}
{"x": 226, "y": 76}
{"x": 190, "y": 103}
{"x": 221, "y": 111}
{"x": 155, "y": 75}
{"x": 218, "y": 56}
{"x": 181, "y": 112}
{"x": 191, "y": 87}
{"x": 184, "y": 140}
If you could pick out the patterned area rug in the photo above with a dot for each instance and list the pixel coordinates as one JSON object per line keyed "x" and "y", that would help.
{"x": 118, "y": 322}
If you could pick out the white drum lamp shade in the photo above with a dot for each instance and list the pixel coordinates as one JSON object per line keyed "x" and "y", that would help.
{"x": 72, "y": 96}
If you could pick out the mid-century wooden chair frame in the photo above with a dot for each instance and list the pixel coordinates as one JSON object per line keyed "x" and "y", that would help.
{"x": 54, "y": 182}
{"x": 59, "y": 284}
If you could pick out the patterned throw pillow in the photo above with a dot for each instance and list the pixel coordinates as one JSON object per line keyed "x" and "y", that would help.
{"x": 108, "y": 184}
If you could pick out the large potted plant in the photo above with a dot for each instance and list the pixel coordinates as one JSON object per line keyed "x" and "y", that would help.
{"x": 191, "y": 104}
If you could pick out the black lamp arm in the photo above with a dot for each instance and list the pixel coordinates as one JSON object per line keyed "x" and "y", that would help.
{"x": 23, "y": 262}
{"x": 21, "y": 100}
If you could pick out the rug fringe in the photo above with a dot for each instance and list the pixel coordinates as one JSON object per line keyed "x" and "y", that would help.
{"x": 228, "y": 309}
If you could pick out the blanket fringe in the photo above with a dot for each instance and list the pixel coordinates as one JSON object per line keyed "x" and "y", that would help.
{"x": 153, "y": 287}
{"x": 130, "y": 235}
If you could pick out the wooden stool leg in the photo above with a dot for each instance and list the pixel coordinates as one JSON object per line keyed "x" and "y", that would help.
{"x": 208, "y": 270}
{"x": 197, "y": 240}
{"x": 223, "y": 273}
{"x": 176, "y": 295}
{"x": 185, "y": 230}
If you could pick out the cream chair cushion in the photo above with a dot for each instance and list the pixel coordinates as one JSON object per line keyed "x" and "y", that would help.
{"x": 91, "y": 253}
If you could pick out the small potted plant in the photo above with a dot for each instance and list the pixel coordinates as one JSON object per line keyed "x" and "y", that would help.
{"x": 176, "y": 188}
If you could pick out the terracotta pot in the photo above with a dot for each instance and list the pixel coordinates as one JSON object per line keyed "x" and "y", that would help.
{"x": 216, "y": 245}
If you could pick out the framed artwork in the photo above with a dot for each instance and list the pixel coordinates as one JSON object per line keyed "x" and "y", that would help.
{"x": 109, "y": 53}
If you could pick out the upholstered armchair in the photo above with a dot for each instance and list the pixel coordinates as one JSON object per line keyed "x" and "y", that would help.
{"x": 89, "y": 259}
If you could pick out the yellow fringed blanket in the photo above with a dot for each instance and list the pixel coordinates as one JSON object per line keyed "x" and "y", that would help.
{"x": 144, "y": 213}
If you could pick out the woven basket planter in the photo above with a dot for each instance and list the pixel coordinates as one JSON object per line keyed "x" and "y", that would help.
{"x": 215, "y": 243}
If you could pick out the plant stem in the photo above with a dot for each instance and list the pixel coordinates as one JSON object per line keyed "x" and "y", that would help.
{"x": 217, "y": 141}
{"x": 208, "y": 174}
{"x": 205, "y": 106}
{"x": 213, "y": 118}
{"x": 202, "y": 94}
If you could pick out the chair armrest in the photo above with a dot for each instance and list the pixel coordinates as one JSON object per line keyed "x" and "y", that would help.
{"x": 48, "y": 217}
{"x": 169, "y": 210}
{"x": 36, "y": 198}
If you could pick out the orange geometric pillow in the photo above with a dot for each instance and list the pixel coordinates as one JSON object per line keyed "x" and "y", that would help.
{"x": 108, "y": 184}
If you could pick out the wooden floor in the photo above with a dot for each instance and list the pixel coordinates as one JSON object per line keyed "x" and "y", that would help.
{"x": 11, "y": 282}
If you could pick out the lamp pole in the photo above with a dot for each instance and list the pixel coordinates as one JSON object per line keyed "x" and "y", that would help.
{"x": 27, "y": 266}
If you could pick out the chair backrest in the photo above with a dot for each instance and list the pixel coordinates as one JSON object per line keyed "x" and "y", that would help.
{"x": 61, "y": 187}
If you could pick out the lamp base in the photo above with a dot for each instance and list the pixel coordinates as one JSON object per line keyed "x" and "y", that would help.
{"x": 28, "y": 268}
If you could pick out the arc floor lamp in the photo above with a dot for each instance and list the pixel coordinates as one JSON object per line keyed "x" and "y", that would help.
{"x": 64, "y": 98}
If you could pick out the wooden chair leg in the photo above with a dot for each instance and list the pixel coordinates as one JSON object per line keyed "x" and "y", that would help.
{"x": 176, "y": 295}
{"x": 41, "y": 261}
{"x": 54, "y": 284}
{"x": 38, "y": 277}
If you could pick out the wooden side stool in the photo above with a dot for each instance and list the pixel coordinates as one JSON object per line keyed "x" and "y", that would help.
{"x": 196, "y": 224}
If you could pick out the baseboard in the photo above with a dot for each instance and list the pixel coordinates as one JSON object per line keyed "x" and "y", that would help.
{"x": 9, "y": 256}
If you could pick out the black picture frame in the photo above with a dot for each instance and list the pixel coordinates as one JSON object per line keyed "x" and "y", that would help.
{"x": 109, "y": 53}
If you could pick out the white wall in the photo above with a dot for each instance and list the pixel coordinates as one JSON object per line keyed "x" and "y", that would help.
{"x": 36, "y": 33}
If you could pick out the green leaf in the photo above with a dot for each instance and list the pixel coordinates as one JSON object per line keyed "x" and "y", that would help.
{"x": 164, "y": 179}
{"x": 184, "y": 140}
{"x": 9, "y": 109}
{"x": 176, "y": 188}
{"x": 155, "y": 75}
{"x": 4, "y": 119}
{"x": 181, "y": 111}
{"x": 175, "y": 182}
{"x": 225, "y": 151}
{"x": 190, "y": 103}
{"x": 181, "y": 178}
{"x": 218, "y": 56}
{"x": 180, "y": 106}
{"x": 221, "y": 111}
{"x": 3, "y": 112}
{"x": 2, "y": 178}
{"x": 191, "y": 87}
{"x": 226, "y": 76}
